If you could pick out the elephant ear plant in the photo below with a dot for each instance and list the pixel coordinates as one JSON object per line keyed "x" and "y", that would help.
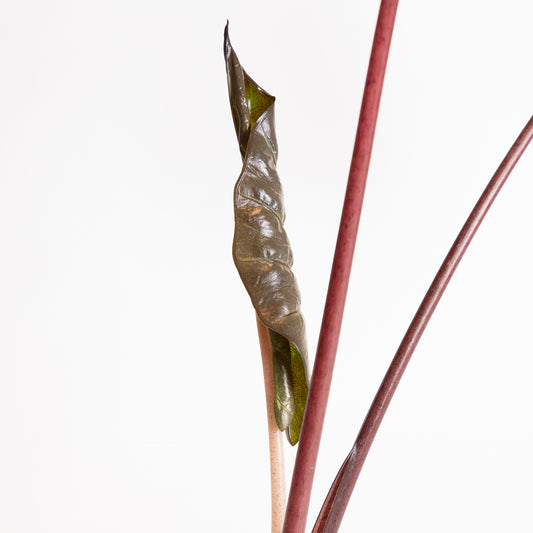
{"x": 263, "y": 258}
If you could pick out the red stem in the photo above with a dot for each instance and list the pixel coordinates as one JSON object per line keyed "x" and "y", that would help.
{"x": 335, "y": 504}
{"x": 302, "y": 479}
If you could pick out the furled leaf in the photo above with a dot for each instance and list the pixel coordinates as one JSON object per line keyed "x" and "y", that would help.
{"x": 261, "y": 249}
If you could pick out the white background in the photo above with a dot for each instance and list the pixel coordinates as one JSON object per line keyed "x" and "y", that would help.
{"x": 130, "y": 384}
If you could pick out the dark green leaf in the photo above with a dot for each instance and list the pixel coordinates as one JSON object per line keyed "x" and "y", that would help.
{"x": 261, "y": 249}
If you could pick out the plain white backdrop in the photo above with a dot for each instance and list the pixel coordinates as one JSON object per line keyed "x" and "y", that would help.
{"x": 130, "y": 385}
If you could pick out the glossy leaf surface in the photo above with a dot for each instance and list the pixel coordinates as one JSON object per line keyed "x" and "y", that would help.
{"x": 261, "y": 249}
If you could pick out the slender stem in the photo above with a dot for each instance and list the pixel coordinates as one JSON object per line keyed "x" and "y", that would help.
{"x": 275, "y": 436}
{"x": 333, "y": 509}
{"x": 302, "y": 479}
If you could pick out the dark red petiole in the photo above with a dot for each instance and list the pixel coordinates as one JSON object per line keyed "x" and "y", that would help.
{"x": 335, "y": 504}
{"x": 302, "y": 479}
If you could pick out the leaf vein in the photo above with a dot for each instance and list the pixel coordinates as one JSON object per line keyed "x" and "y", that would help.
{"x": 263, "y": 204}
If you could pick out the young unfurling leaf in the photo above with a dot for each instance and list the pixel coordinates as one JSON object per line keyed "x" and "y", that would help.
{"x": 261, "y": 249}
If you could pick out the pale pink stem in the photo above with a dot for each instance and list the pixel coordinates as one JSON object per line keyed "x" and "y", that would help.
{"x": 275, "y": 436}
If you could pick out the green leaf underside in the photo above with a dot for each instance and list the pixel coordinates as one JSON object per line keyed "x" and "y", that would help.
{"x": 284, "y": 404}
{"x": 258, "y": 100}
{"x": 261, "y": 249}
{"x": 300, "y": 389}
{"x": 291, "y": 385}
